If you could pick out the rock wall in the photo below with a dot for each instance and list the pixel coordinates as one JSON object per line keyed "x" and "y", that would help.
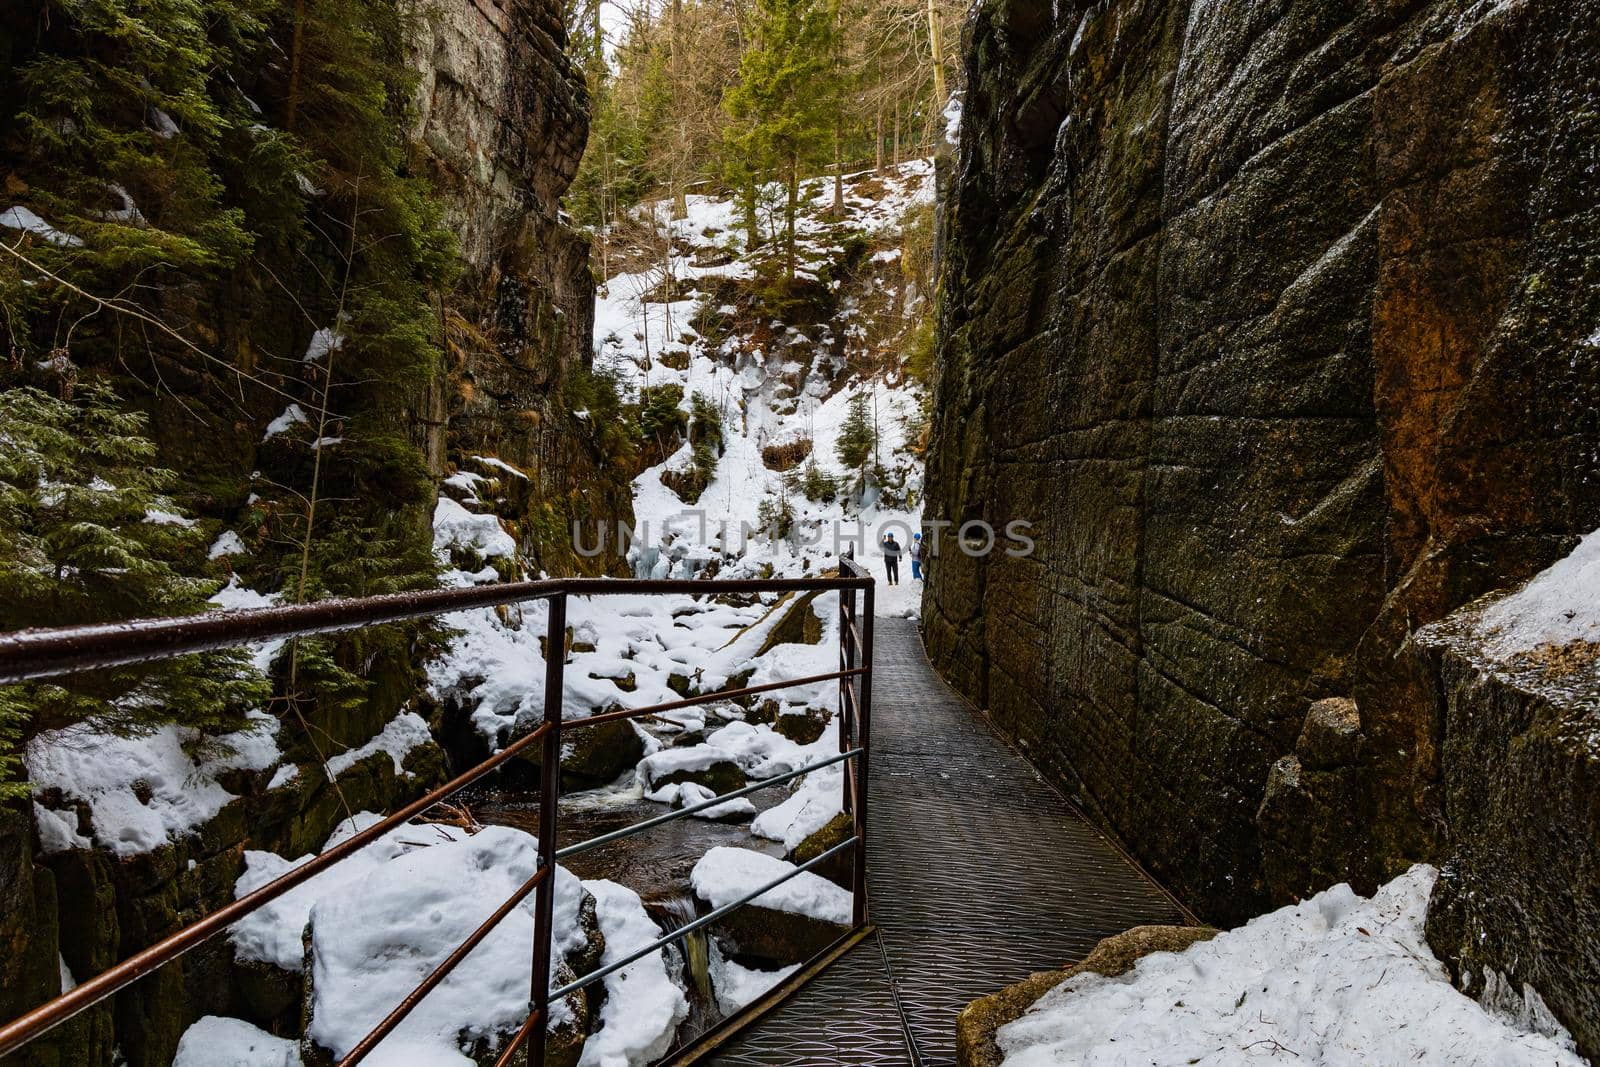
{"x": 1277, "y": 318}
{"x": 1516, "y": 909}
{"x": 502, "y": 117}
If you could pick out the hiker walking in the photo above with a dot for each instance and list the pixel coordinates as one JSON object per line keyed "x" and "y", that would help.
{"x": 891, "y": 557}
{"x": 916, "y": 557}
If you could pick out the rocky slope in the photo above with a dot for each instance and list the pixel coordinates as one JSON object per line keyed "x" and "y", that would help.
{"x": 1278, "y": 320}
{"x": 500, "y": 124}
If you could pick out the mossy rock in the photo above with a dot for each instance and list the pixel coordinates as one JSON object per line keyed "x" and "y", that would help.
{"x": 267, "y": 993}
{"x": 839, "y": 870}
{"x": 769, "y": 938}
{"x": 799, "y": 625}
{"x": 765, "y": 711}
{"x": 802, "y": 727}
{"x": 723, "y": 776}
{"x": 679, "y": 683}
{"x": 596, "y": 755}
{"x": 1116, "y": 955}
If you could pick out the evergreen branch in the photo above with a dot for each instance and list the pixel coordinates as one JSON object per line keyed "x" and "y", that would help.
{"x": 135, "y": 312}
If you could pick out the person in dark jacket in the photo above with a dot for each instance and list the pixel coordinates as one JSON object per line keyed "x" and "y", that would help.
{"x": 891, "y": 558}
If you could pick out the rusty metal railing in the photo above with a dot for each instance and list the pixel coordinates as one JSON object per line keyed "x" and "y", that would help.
{"x": 31, "y": 654}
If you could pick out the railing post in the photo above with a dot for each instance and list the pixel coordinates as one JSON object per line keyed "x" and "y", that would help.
{"x": 555, "y": 658}
{"x": 863, "y": 742}
{"x": 847, "y": 660}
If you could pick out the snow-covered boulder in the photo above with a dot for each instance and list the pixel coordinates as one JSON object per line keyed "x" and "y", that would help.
{"x": 644, "y": 1006}
{"x": 706, "y": 765}
{"x": 1337, "y": 980}
{"x": 374, "y": 937}
{"x": 785, "y": 925}
{"x": 216, "y": 1041}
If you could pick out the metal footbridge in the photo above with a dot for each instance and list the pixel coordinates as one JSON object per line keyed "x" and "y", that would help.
{"x": 981, "y": 874}
{"x": 970, "y": 874}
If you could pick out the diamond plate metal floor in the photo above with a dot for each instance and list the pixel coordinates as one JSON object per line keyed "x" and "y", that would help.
{"x": 980, "y": 875}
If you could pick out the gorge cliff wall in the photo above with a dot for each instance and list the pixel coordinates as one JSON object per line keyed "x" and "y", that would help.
{"x": 501, "y": 119}
{"x": 499, "y": 123}
{"x": 1278, "y": 320}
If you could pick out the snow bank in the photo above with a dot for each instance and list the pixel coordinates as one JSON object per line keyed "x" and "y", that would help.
{"x": 1337, "y": 980}
{"x": 141, "y": 792}
{"x": 725, "y": 874}
{"x": 214, "y": 1041}
{"x": 1559, "y": 606}
{"x": 818, "y": 798}
{"x": 373, "y": 938}
{"x": 643, "y": 1006}
{"x": 737, "y": 986}
{"x": 456, "y": 527}
{"x": 404, "y": 732}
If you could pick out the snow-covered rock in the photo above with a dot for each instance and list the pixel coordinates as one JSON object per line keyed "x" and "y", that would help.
{"x": 1336, "y": 980}
{"x": 725, "y": 874}
{"x": 142, "y": 792}
{"x": 643, "y": 1004}
{"x": 456, "y": 527}
{"x": 375, "y": 936}
{"x": 216, "y": 1041}
{"x": 812, "y": 805}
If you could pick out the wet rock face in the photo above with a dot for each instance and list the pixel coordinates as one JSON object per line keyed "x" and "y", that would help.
{"x": 502, "y": 117}
{"x": 1274, "y": 319}
{"x": 1517, "y": 904}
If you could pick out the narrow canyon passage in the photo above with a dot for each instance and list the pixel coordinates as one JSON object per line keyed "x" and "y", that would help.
{"x": 980, "y": 875}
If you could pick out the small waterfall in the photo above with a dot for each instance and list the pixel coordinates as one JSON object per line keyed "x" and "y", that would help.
{"x": 694, "y": 951}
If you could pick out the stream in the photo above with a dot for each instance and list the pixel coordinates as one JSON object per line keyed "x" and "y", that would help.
{"x": 655, "y": 864}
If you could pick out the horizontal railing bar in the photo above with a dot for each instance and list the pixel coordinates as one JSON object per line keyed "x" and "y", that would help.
{"x": 684, "y": 813}
{"x": 45, "y": 653}
{"x": 689, "y": 928}
{"x": 705, "y": 698}
{"x": 534, "y": 1019}
{"x": 441, "y": 972}
{"x": 54, "y": 1012}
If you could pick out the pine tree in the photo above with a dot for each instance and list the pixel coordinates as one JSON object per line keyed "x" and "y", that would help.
{"x": 782, "y": 104}
{"x": 90, "y": 535}
{"x": 857, "y": 436}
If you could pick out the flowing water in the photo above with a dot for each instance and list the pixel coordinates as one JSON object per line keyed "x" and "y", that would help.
{"x": 655, "y": 864}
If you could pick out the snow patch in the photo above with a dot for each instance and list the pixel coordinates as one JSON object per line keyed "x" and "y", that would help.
{"x": 643, "y": 1005}
{"x": 1337, "y": 980}
{"x": 725, "y": 874}
{"x": 215, "y": 1041}
{"x": 1557, "y": 607}
{"x": 18, "y": 217}
{"x": 405, "y": 731}
{"x": 456, "y": 527}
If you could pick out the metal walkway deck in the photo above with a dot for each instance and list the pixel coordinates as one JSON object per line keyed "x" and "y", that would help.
{"x": 980, "y": 875}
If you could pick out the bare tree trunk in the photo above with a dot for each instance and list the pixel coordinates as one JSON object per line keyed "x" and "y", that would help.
{"x": 788, "y": 216}
{"x": 877, "y": 140}
{"x": 838, "y": 171}
{"x": 292, "y": 98}
{"x": 752, "y": 224}
{"x": 897, "y": 133}
{"x": 936, "y": 50}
